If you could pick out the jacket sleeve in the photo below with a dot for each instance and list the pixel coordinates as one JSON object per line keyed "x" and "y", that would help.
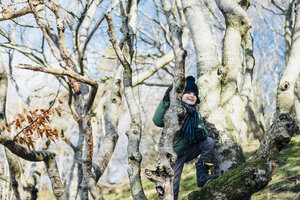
{"x": 158, "y": 118}
{"x": 201, "y": 124}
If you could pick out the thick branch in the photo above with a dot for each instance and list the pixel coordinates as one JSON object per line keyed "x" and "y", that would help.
{"x": 277, "y": 137}
{"x": 11, "y": 14}
{"x": 237, "y": 25}
{"x": 23, "y": 152}
{"x": 129, "y": 17}
{"x": 158, "y": 64}
{"x": 94, "y": 189}
{"x": 86, "y": 24}
{"x": 69, "y": 73}
{"x": 254, "y": 175}
{"x": 53, "y": 173}
{"x": 249, "y": 62}
{"x": 288, "y": 29}
{"x": 61, "y": 25}
{"x": 206, "y": 55}
{"x": 15, "y": 170}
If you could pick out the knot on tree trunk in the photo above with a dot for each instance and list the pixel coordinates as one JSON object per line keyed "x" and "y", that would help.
{"x": 159, "y": 173}
{"x": 285, "y": 86}
{"x": 238, "y": 22}
{"x": 222, "y": 72}
{"x": 160, "y": 191}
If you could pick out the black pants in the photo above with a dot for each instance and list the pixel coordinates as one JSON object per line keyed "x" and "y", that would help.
{"x": 204, "y": 147}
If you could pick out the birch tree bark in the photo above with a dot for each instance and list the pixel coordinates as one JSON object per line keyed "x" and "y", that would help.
{"x": 286, "y": 88}
{"x": 14, "y": 167}
{"x": 206, "y": 55}
{"x": 222, "y": 105}
{"x": 94, "y": 189}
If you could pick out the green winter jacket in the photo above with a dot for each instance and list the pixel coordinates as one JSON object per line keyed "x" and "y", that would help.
{"x": 180, "y": 146}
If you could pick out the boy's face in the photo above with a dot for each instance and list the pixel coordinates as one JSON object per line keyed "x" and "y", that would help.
{"x": 189, "y": 98}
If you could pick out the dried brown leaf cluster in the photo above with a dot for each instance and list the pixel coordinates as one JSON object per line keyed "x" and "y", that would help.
{"x": 34, "y": 124}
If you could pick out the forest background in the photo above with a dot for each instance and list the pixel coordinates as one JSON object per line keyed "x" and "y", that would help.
{"x": 65, "y": 71}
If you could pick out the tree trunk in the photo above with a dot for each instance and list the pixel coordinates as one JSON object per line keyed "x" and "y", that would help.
{"x": 222, "y": 105}
{"x": 206, "y": 55}
{"x": 162, "y": 174}
{"x": 286, "y": 88}
{"x": 255, "y": 174}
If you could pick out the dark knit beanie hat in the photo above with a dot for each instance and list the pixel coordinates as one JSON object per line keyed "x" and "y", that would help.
{"x": 191, "y": 86}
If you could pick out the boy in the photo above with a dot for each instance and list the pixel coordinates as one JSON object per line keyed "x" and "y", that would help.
{"x": 192, "y": 139}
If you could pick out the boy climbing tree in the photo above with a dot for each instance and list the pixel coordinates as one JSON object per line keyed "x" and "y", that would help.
{"x": 192, "y": 139}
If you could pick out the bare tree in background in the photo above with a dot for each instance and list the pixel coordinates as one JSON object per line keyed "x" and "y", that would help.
{"x": 54, "y": 21}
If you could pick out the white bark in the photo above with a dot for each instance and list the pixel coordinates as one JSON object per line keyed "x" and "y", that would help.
{"x": 85, "y": 25}
{"x": 16, "y": 175}
{"x": 297, "y": 100}
{"x": 222, "y": 107}
{"x": 249, "y": 62}
{"x": 233, "y": 106}
{"x": 7, "y": 14}
{"x": 237, "y": 25}
{"x": 204, "y": 43}
{"x": 231, "y": 63}
{"x": 206, "y": 54}
{"x": 17, "y": 180}
{"x": 285, "y": 91}
{"x": 288, "y": 28}
{"x": 53, "y": 173}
